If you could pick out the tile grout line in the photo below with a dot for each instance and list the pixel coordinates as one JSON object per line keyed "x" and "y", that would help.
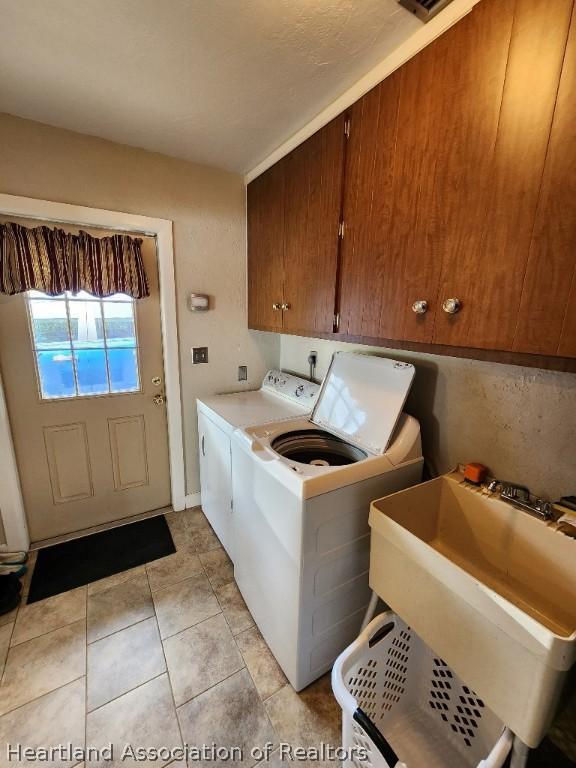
{"x": 117, "y": 631}
{"x": 250, "y": 629}
{"x": 124, "y": 693}
{"x": 211, "y": 687}
{"x": 168, "y": 675}
{"x": 42, "y": 695}
{"x": 43, "y": 634}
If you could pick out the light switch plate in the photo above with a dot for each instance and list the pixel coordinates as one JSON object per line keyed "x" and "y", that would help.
{"x": 199, "y": 355}
{"x": 242, "y": 373}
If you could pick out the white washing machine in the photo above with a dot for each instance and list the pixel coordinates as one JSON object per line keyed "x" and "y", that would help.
{"x": 281, "y": 396}
{"x": 302, "y": 492}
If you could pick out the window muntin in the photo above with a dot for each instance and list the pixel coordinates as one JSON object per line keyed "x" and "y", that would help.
{"x": 84, "y": 346}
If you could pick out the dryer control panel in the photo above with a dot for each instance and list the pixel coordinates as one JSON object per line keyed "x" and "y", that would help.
{"x": 293, "y": 388}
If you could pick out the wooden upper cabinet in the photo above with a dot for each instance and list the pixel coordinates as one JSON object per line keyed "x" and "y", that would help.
{"x": 265, "y": 200}
{"x": 415, "y": 163}
{"x": 547, "y": 318}
{"x": 293, "y": 223}
{"x": 313, "y": 201}
{"x": 502, "y": 166}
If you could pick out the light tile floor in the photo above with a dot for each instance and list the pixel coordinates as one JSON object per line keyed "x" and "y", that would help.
{"x": 156, "y": 656}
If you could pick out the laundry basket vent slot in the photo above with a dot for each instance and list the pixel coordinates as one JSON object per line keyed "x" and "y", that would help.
{"x": 463, "y": 717}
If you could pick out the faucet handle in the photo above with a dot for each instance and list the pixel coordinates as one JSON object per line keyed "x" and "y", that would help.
{"x": 513, "y": 491}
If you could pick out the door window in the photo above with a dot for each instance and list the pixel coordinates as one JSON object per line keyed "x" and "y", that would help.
{"x": 83, "y": 346}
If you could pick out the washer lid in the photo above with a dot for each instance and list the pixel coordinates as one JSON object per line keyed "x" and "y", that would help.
{"x": 362, "y": 398}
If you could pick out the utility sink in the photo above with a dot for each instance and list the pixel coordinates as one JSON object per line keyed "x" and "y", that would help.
{"x": 491, "y": 589}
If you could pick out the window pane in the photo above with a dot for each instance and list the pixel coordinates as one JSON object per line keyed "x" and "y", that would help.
{"x": 91, "y": 371}
{"x": 49, "y": 323}
{"x": 119, "y": 297}
{"x": 123, "y": 367}
{"x": 86, "y": 324}
{"x": 40, "y": 295}
{"x": 119, "y": 324}
{"x": 81, "y": 295}
{"x": 56, "y": 373}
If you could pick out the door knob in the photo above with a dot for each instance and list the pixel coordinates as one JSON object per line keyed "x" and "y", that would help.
{"x": 420, "y": 307}
{"x": 451, "y": 306}
{"x": 276, "y": 307}
{"x": 285, "y": 306}
{"x": 159, "y": 399}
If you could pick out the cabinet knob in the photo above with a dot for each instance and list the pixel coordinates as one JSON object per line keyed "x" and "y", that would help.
{"x": 286, "y": 306}
{"x": 420, "y": 307}
{"x": 451, "y": 306}
{"x": 276, "y": 307}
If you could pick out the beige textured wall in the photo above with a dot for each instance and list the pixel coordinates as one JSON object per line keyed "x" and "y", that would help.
{"x": 520, "y": 422}
{"x": 207, "y": 207}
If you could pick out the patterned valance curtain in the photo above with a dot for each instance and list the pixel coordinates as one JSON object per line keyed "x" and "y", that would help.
{"x": 54, "y": 261}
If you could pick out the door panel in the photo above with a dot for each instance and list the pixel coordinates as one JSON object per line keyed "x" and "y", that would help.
{"x": 367, "y": 206}
{"x": 547, "y": 318}
{"x": 415, "y": 162}
{"x": 313, "y": 174}
{"x": 265, "y": 200}
{"x": 486, "y": 274}
{"x": 68, "y": 462}
{"x": 94, "y": 458}
{"x": 216, "y": 478}
{"x": 128, "y": 451}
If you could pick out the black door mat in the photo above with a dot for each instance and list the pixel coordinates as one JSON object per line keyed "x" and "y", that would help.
{"x": 82, "y": 561}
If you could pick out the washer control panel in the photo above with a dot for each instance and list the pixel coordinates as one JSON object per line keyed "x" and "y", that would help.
{"x": 292, "y": 387}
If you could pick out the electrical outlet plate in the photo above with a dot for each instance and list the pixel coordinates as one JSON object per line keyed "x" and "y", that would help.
{"x": 242, "y": 373}
{"x": 199, "y": 355}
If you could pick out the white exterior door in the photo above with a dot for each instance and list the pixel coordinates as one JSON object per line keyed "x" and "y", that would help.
{"x": 84, "y": 387}
{"x": 216, "y": 478}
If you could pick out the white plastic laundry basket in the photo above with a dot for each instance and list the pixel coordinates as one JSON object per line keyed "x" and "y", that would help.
{"x": 403, "y": 706}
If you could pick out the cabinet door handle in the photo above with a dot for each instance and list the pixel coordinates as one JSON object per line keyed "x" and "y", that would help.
{"x": 203, "y": 451}
{"x": 276, "y": 307}
{"x": 286, "y": 306}
{"x": 420, "y": 307}
{"x": 451, "y": 306}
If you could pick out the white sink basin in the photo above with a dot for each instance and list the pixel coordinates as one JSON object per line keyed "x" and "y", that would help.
{"x": 491, "y": 589}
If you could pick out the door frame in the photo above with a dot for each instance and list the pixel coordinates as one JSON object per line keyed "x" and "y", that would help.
{"x": 11, "y": 502}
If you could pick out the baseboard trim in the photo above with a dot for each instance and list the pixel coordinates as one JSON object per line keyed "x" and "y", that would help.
{"x": 192, "y": 500}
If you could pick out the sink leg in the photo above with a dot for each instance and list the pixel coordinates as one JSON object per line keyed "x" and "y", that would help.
{"x": 371, "y": 610}
{"x": 520, "y": 754}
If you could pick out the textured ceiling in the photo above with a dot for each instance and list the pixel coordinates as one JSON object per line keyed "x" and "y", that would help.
{"x": 221, "y": 82}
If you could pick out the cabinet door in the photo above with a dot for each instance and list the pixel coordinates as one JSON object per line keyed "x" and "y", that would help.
{"x": 313, "y": 188}
{"x": 265, "y": 200}
{"x": 417, "y": 143}
{"x": 485, "y": 267}
{"x": 547, "y": 319}
{"x": 216, "y": 479}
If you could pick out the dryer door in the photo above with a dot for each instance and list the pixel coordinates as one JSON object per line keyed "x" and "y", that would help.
{"x": 216, "y": 479}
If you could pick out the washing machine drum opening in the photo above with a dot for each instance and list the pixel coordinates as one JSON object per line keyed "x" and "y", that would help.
{"x": 317, "y": 447}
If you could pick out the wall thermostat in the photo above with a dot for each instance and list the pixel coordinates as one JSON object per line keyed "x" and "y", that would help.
{"x": 198, "y": 302}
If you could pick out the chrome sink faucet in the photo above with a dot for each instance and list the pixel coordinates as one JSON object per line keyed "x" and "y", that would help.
{"x": 520, "y": 497}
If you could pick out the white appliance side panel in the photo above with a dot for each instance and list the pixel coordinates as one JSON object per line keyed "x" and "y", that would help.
{"x": 362, "y": 398}
{"x": 266, "y": 526}
{"x": 216, "y": 479}
{"x": 334, "y": 588}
